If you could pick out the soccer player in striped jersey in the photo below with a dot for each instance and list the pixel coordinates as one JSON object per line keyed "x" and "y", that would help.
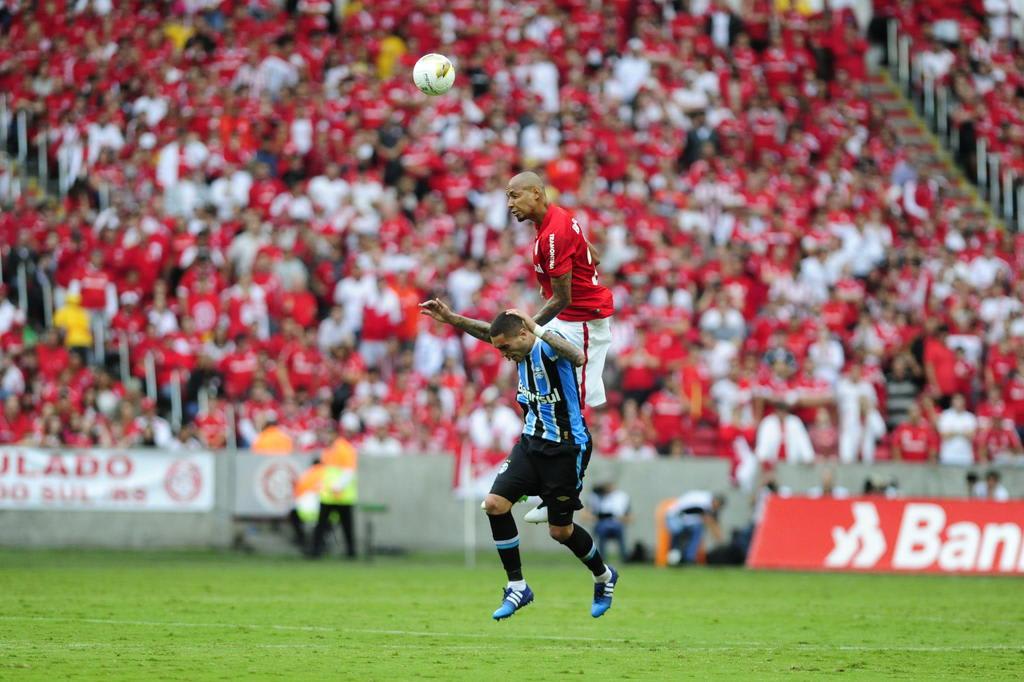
{"x": 551, "y": 455}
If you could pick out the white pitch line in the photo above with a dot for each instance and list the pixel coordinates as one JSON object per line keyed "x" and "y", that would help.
{"x": 682, "y": 646}
{"x": 304, "y": 628}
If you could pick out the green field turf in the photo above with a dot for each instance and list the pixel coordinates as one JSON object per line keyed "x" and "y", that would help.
{"x": 193, "y": 616}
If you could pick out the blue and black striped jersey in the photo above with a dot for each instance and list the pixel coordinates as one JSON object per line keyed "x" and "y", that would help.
{"x": 549, "y": 394}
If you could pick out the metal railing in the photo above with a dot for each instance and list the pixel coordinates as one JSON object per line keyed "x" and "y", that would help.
{"x": 996, "y": 181}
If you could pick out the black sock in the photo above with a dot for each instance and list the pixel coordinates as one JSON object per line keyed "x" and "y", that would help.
{"x": 506, "y": 539}
{"x": 582, "y": 545}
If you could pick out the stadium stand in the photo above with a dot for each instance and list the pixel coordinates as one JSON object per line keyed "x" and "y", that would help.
{"x": 246, "y": 200}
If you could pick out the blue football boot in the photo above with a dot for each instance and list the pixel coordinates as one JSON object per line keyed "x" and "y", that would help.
{"x": 603, "y": 593}
{"x": 512, "y": 602}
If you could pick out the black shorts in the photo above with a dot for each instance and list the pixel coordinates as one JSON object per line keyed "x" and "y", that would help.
{"x": 553, "y": 471}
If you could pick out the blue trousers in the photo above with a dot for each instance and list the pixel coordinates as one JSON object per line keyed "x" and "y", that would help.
{"x": 687, "y": 532}
{"x": 610, "y": 529}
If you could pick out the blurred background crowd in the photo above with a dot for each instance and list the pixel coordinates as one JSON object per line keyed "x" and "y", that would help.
{"x": 241, "y": 202}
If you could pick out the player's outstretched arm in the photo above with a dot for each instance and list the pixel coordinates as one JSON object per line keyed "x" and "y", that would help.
{"x": 561, "y": 297}
{"x": 439, "y": 310}
{"x": 561, "y": 345}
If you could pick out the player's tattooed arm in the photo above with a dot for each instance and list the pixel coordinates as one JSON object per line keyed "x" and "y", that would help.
{"x": 561, "y": 297}
{"x": 561, "y": 345}
{"x": 439, "y": 310}
{"x": 564, "y": 347}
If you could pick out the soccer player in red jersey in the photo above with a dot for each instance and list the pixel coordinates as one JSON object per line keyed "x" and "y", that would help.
{"x": 577, "y": 305}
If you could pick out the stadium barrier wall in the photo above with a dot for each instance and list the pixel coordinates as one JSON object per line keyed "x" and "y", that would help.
{"x": 422, "y": 513}
{"x": 114, "y": 499}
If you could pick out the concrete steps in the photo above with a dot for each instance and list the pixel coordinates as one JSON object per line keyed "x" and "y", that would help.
{"x": 926, "y": 151}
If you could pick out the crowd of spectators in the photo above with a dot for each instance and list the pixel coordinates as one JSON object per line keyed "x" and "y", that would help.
{"x": 253, "y": 198}
{"x": 973, "y": 49}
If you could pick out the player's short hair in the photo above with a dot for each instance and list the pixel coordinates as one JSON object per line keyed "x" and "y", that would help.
{"x": 505, "y": 324}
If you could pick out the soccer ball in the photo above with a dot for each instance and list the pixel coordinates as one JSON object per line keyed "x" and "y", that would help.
{"x": 433, "y": 74}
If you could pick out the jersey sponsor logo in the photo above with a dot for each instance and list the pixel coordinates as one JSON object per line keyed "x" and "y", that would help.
{"x": 540, "y": 398}
{"x": 551, "y": 251}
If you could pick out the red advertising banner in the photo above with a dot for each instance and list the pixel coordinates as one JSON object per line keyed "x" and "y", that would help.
{"x": 907, "y": 535}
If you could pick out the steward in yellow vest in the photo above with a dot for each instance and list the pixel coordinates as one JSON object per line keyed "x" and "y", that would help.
{"x": 339, "y": 493}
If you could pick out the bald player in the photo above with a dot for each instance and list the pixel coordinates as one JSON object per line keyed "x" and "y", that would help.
{"x": 577, "y": 305}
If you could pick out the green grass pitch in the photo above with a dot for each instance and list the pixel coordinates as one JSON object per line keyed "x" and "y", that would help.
{"x": 197, "y": 616}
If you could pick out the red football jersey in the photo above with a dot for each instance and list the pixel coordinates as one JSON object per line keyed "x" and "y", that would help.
{"x": 560, "y": 247}
{"x": 915, "y": 442}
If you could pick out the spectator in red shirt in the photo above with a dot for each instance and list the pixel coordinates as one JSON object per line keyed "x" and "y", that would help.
{"x": 15, "y": 424}
{"x": 668, "y": 411}
{"x": 915, "y": 440}
{"x": 824, "y": 435}
{"x": 239, "y": 367}
{"x": 52, "y": 356}
{"x": 1014, "y": 396}
{"x": 940, "y": 365}
{"x": 1000, "y": 442}
{"x": 639, "y": 371}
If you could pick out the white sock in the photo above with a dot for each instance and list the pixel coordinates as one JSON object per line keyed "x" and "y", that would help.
{"x": 604, "y": 577}
{"x": 517, "y": 585}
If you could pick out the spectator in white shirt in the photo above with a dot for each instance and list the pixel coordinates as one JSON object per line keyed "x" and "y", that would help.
{"x": 936, "y": 60}
{"x": 636, "y": 448}
{"x": 352, "y": 292}
{"x": 723, "y": 321}
{"x": 12, "y": 379}
{"x": 860, "y": 423}
{"x": 540, "y": 140}
{"x": 428, "y": 353}
{"x": 956, "y": 428}
{"x": 151, "y": 105}
{"x": 103, "y": 134}
{"x": 332, "y": 331}
{"x": 380, "y": 443}
{"x": 244, "y": 247}
{"x": 990, "y": 488}
{"x": 275, "y": 73}
{"x": 493, "y": 426}
{"x": 10, "y": 315}
{"x": 328, "y": 190}
{"x": 814, "y": 277}
{"x": 463, "y": 283}
{"x": 541, "y": 77}
{"x": 986, "y": 267}
{"x": 782, "y": 427}
{"x": 828, "y": 488}
{"x": 827, "y": 354}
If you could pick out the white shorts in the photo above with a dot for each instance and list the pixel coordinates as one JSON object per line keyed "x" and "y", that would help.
{"x": 594, "y": 337}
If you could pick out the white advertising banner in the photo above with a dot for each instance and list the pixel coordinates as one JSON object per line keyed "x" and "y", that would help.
{"x": 106, "y": 480}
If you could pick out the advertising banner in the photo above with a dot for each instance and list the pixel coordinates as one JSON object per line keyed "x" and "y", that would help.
{"x": 878, "y": 534}
{"x": 264, "y": 484}
{"x": 106, "y": 480}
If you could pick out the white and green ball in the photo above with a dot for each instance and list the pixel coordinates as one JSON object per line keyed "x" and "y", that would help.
{"x": 434, "y": 74}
